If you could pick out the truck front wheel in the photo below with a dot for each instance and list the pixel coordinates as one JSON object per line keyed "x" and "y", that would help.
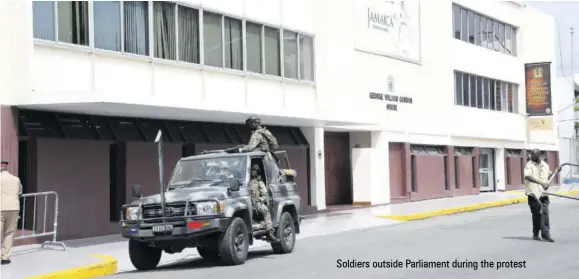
{"x": 234, "y": 243}
{"x": 143, "y": 256}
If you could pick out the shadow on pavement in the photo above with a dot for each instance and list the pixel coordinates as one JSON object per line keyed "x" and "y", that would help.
{"x": 200, "y": 263}
{"x": 528, "y": 238}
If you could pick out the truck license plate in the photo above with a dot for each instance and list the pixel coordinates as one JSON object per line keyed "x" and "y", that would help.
{"x": 162, "y": 228}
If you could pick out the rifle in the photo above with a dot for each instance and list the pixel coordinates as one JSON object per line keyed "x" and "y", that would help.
{"x": 233, "y": 149}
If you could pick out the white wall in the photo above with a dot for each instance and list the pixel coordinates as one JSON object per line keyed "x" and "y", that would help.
{"x": 347, "y": 75}
{"x": 15, "y": 50}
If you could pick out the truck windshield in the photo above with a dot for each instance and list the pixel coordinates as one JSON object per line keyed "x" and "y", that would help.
{"x": 213, "y": 169}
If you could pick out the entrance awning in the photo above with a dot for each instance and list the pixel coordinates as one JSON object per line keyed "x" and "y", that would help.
{"x": 173, "y": 113}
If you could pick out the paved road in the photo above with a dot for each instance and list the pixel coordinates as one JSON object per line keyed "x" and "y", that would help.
{"x": 494, "y": 235}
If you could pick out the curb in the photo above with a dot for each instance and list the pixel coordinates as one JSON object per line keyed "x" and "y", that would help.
{"x": 467, "y": 208}
{"x": 107, "y": 267}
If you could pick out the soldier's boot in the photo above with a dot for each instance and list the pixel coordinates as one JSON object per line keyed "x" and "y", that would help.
{"x": 271, "y": 236}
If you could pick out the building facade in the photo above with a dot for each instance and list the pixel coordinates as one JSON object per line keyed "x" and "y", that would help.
{"x": 376, "y": 102}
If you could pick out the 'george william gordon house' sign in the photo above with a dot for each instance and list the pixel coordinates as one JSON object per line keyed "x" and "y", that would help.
{"x": 391, "y": 100}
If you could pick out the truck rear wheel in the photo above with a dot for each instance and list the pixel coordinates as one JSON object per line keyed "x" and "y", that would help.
{"x": 286, "y": 233}
{"x": 144, "y": 257}
{"x": 234, "y": 243}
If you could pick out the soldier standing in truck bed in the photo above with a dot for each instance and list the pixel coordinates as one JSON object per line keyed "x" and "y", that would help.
{"x": 261, "y": 138}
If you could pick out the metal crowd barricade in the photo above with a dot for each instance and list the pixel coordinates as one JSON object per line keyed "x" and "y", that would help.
{"x": 34, "y": 197}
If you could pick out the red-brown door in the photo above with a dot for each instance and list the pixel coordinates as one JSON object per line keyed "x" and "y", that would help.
{"x": 337, "y": 168}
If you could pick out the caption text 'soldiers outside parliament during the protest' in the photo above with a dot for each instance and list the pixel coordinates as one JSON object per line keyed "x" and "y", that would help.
{"x": 424, "y": 264}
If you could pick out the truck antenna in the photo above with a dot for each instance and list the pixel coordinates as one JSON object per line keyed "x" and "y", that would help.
{"x": 159, "y": 142}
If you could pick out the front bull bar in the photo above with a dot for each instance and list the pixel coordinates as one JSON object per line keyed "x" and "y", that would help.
{"x": 556, "y": 173}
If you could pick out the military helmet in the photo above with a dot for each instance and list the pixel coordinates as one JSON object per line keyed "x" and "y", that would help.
{"x": 253, "y": 119}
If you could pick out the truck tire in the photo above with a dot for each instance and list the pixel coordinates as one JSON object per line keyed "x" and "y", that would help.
{"x": 286, "y": 233}
{"x": 234, "y": 243}
{"x": 208, "y": 253}
{"x": 144, "y": 257}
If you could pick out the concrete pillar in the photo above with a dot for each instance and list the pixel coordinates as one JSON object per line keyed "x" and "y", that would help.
{"x": 9, "y": 138}
{"x": 500, "y": 174}
{"x": 380, "y": 168}
{"x": 315, "y": 137}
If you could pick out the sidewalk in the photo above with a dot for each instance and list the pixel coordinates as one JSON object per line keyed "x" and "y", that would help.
{"x": 90, "y": 258}
{"x": 445, "y": 206}
{"x": 31, "y": 262}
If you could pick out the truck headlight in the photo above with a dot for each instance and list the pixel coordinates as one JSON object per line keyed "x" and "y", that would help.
{"x": 132, "y": 213}
{"x": 207, "y": 208}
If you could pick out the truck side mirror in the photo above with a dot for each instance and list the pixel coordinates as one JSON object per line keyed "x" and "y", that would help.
{"x": 136, "y": 191}
{"x": 234, "y": 184}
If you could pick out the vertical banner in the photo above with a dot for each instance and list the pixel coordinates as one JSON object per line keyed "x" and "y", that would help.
{"x": 538, "y": 88}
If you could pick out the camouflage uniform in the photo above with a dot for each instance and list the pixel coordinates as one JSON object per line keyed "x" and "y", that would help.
{"x": 259, "y": 199}
{"x": 257, "y": 141}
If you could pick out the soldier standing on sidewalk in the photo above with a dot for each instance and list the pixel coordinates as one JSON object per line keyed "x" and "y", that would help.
{"x": 11, "y": 189}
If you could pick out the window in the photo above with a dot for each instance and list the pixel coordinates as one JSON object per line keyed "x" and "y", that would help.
{"x": 168, "y": 30}
{"x": 470, "y": 21}
{"x": 427, "y": 150}
{"x": 272, "y": 51}
{"x": 136, "y": 28}
{"x": 306, "y": 51}
{"x": 290, "y": 54}
{"x": 498, "y": 96}
{"x": 73, "y": 22}
{"x": 496, "y": 37}
{"x": 212, "y": 39}
{"x": 475, "y": 28}
{"x": 188, "y": 23}
{"x": 472, "y": 91}
{"x": 490, "y": 34}
{"x": 43, "y": 20}
{"x": 464, "y": 25}
{"x": 505, "y": 97}
{"x": 486, "y": 93}
{"x": 465, "y": 90}
{"x": 456, "y": 21}
{"x": 253, "y": 46}
{"x": 164, "y": 30}
{"x": 107, "y": 25}
{"x": 502, "y": 38}
{"x": 458, "y": 88}
{"x": 493, "y": 93}
{"x": 233, "y": 44}
{"x": 508, "y": 40}
{"x": 477, "y": 33}
{"x": 484, "y": 32}
{"x": 479, "y": 92}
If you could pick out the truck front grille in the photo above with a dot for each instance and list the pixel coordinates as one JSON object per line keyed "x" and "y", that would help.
{"x": 172, "y": 210}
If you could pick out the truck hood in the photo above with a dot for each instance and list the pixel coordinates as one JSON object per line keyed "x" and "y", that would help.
{"x": 199, "y": 192}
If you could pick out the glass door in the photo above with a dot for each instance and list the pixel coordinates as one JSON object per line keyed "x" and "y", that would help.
{"x": 486, "y": 169}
